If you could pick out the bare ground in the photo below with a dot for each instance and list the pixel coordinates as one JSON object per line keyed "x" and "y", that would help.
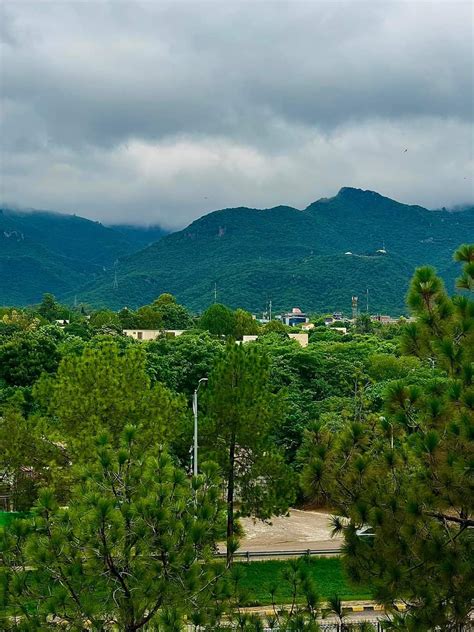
{"x": 300, "y": 530}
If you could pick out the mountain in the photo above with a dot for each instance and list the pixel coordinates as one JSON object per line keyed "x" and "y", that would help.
{"x": 316, "y": 258}
{"x": 139, "y": 236}
{"x": 41, "y": 251}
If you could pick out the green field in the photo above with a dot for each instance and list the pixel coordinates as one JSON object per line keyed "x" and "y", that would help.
{"x": 257, "y": 579}
{"x": 8, "y": 516}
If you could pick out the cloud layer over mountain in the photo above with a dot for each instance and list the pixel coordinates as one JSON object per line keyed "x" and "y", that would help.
{"x": 158, "y": 112}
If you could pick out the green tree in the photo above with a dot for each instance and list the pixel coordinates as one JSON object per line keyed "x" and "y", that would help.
{"x": 105, "y": 388}
{"x": 403, "y": 484}
{"x": 132, "y": 550}
{"x": 104, "y": 318}
{"x": 241, "y": 412}
{"x": 27, "y": 354}
{"x": 15, "y": 320}
{"x": 465, "y": 255}
{"x": 180, "y": 362}
{"x": 173, "y": 315}
{"x": 275, "y": 326}
{"x": 50, "y": 309}
{"x": 245, "y": 324}
{"x": 218, "y": 320}
{"x": 128, "y": 318}
{"x": 388, "y": 367}
{"x": 363, "y": 324}
{"x": 79, "y": 328}
{"x": 28, "y": 456}
{"x": 147, "y": 317}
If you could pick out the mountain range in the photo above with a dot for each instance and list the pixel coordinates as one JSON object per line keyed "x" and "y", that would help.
{"x": 41, "y": 251}
{"x": 355, "y": 243}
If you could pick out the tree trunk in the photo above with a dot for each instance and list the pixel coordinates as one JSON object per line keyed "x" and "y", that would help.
{"x": 230, "y": 500}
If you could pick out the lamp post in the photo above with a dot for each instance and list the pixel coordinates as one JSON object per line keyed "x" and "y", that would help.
{"x": 391, "y": 430}
{"x": 195, "y": 411}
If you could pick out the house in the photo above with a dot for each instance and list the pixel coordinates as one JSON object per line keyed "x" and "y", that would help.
{"x": 62, "y": 322}
{"x": 152, "y": 334}
{"x": 302, "y": 339}
{"x": 249, "y": 338}
{"x": 337, "y": 316}
{"x": 342, "y": 330}
{"x": 295, "y": 317}
{"x": 384, "y": 319}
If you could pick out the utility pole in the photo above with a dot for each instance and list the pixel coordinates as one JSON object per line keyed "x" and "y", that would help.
{"x": 195, "y": 411}
{"x": 115, "y": 284}
{"x": 270, "y": 309}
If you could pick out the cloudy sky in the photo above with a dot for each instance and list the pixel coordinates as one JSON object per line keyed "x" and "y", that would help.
{"x": 157, "y": 112}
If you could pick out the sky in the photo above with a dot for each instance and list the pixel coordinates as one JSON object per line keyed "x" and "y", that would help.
{"x": 159, "y": 112}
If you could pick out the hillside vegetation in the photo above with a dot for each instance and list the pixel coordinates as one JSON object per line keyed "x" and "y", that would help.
{"x": 250, "y": 256}
{"x": 292, "y": 257}
{"x": 42, "y": 252}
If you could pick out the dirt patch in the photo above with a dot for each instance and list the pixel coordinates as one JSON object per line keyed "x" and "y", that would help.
{"x": 300, "y": 530}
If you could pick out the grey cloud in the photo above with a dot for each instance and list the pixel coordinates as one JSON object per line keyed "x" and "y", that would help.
{"x": 168, "y": 109}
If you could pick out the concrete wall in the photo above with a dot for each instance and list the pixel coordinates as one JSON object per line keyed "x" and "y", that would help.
{"x": 151, "y": 334}
{"x": 301, "y": 338}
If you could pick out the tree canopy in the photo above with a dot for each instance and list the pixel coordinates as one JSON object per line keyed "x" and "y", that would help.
{"x": 131, "y": 549}
{"x": 241, "y": 411}
{"x": 403, "y": 482}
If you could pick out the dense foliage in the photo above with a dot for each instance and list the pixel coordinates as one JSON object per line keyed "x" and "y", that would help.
{"x": 52, "y": 252}
{"x": 403, "y": 481}
{"x": 95, "y": 441}
{"x": 133, "y": 545}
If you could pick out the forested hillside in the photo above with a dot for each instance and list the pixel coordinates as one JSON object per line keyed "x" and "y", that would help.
{"x": 316, "y": 258}
{"x": 42, "y": 251}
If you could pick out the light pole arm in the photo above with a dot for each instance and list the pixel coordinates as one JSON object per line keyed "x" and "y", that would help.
{"x": 195, "y": 411}
{"x": 195, "y": 450}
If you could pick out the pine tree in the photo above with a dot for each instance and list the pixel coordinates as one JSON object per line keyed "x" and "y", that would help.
{"x": 404, "y": 485}
{"x": 132, "y": 549}
{"x": 241, "y": 414}
{"x": 105, "y": 388}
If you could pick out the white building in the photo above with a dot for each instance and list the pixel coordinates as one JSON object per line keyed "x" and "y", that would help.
{"x": 302, "y": 339}
{"x": 152, "y": 334}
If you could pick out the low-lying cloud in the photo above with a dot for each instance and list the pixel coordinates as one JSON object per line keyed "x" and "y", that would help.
{"x": 159, "y": 112}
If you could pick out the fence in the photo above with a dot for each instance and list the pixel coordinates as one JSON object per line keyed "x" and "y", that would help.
{"x": 377, "y": 626}
{"x": 248, "y": 555}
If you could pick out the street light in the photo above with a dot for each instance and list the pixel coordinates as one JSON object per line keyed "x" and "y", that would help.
{"x": 391, "y": 430}
{"x": 195, "y": 411}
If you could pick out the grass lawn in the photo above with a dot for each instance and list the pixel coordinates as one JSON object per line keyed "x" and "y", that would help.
{"x": 327, "y": 572}
{"x": 8, "y": 516}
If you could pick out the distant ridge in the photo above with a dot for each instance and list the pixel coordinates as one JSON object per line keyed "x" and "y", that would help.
{"x": 294, "y": 257}
{"x": 43, "y": 251}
